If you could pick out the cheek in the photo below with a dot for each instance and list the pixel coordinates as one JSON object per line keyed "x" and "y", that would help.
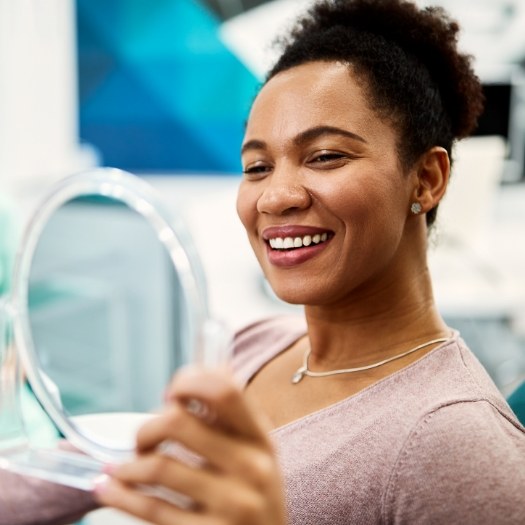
{"x": 353, "y": 203}
{"x": 371, "y": 207}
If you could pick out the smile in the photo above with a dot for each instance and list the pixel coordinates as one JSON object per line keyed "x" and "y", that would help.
{"x": 291, "y": 243}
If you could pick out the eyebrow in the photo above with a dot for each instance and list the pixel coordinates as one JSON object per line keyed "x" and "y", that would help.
{"x": 253, "y": 145}
{"x": 319, "y": 131}
{"x": 306, "y": 136}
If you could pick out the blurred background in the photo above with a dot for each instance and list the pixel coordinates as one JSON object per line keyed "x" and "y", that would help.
{"x": 162, "y": 88}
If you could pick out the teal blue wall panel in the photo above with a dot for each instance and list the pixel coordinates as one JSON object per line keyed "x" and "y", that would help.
{"x": 158, "y": 90}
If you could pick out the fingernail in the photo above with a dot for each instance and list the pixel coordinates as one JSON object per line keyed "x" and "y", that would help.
{"x": 201, "y": 410}
{"x": 101, "y": 484}
{"x": 109, "y": 469}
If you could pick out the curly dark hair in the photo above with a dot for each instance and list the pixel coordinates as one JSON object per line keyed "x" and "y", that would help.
{"x": 409, "y": 60}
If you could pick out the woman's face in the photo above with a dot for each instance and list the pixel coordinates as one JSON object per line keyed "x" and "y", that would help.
{"x": 324, "y": 200}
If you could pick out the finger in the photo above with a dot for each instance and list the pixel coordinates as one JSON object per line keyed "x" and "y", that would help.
{"x": 228, "y": 454}
{"x": 115, "y": 494}
{"x": 158, "y": 469}
{"x": 222, "y": 495}
{"x": 217, "y": 390}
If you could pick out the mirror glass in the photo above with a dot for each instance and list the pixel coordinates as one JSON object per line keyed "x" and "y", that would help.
{"x": 104, "y": 312}
{"x": 109, "y": 301}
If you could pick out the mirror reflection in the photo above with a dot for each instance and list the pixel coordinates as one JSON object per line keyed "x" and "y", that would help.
{"x": 104, "y": 307}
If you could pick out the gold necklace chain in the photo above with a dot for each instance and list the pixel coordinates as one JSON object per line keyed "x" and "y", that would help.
{"x": 303, "y": 370}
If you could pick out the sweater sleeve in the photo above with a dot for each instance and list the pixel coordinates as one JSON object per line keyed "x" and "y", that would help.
{"x": 29, "y": 501}
{"x": 464, "y": 463}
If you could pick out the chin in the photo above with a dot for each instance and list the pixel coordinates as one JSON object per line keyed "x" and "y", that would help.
{"x": 294, "y": 294}
{"x": 290, "y": 295}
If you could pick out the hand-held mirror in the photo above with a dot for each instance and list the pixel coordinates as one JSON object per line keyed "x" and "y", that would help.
{"x": 108, "y": 301}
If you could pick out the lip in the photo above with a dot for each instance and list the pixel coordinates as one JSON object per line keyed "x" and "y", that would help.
{"x": 292, "y": 231}
{"x": 287, "y": 259}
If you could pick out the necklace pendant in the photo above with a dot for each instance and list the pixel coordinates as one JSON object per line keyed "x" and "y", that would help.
{"x": 298, "y": 375}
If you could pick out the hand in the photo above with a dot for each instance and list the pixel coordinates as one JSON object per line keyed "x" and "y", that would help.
{"x": 237, "y": 482}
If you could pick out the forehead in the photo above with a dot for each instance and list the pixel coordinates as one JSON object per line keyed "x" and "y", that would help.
{"x": 313, "y": 94}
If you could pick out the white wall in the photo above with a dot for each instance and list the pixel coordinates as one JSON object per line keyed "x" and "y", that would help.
{"x": 38, "y": 94}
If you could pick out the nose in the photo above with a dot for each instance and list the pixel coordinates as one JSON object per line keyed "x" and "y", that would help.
{"x": 283, "y": 194}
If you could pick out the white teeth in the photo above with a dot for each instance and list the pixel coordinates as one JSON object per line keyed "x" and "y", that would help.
{"x": 288, "y": 243}
{"x": 278, "y": 243}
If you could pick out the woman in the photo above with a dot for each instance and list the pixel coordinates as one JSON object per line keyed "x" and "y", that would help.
{"x": 371, "y": 410}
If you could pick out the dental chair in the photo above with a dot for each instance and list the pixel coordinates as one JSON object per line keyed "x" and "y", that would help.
{"x": 517, "y": 402}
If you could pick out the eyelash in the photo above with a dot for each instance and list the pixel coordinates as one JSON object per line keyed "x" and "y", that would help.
{"x": 327, "y": 159}
{"x": 330, "y": 160}
{"x": 256, "y": 170}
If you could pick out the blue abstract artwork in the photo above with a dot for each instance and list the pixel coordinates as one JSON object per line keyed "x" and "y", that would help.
{"x": 158, "y": 90}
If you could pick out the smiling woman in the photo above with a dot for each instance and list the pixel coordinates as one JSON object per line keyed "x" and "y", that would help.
{"x": 320, "y": 161}
{"x": 370, "y": 409}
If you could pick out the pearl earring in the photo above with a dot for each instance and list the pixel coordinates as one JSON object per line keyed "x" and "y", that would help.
{"x": 415, "y": 208}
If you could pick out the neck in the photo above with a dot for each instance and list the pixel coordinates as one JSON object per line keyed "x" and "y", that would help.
{"x": 375, "y": 325}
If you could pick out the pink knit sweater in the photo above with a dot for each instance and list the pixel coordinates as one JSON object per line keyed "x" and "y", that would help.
{"x": 434, "y": 443}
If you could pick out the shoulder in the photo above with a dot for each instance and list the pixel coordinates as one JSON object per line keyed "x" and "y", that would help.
{"x": 464, "y": 462}
{"x": 449, "y": 374}
{"x": 258, "y": 342}
{"x": 271, "y": 329}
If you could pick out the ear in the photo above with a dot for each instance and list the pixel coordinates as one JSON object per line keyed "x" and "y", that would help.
{"x": 433, "y": 173}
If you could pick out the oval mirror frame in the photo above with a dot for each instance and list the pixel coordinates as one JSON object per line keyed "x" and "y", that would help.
{"x": 169, "y": 229}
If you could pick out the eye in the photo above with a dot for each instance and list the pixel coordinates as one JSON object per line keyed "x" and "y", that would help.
{"x": 328, "y": 159}
{"x": 256, "y": 170}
